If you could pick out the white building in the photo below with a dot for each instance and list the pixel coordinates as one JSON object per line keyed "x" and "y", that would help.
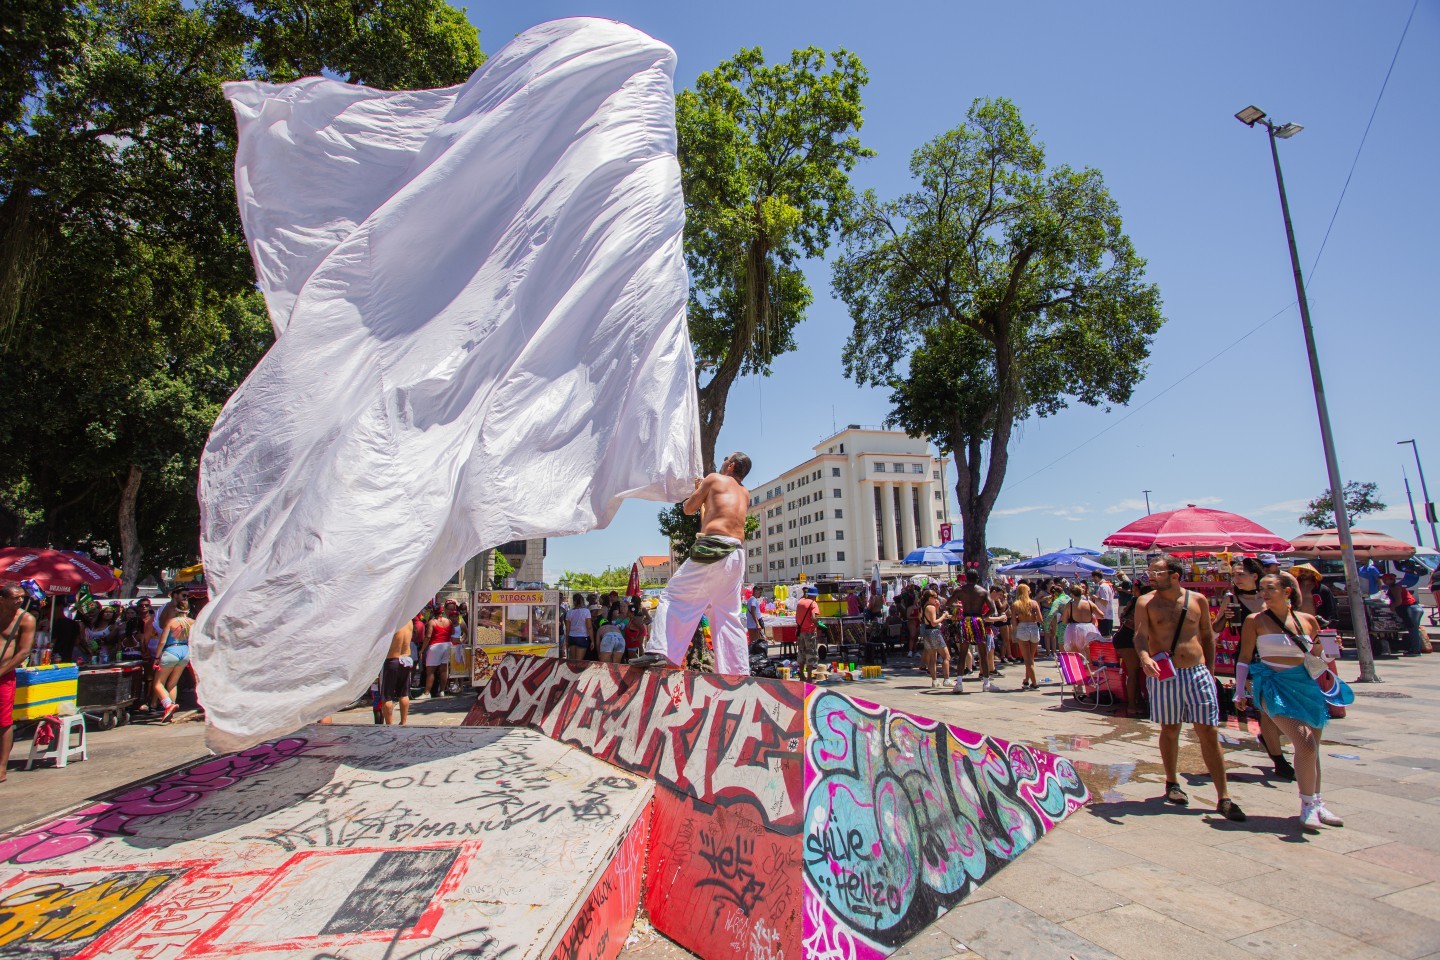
{"x": 866, "y": 495}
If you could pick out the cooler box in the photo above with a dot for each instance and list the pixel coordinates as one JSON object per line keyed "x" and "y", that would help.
{"x": 42, "y": 691}
{"x": 783, "y": 634}
{"x": 833, "y": 608}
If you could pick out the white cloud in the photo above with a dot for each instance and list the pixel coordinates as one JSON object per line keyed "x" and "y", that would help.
{"x": 1135, "y": 505}
{"x": 1016, "y": 511}
{"x": 1292, "y": 507}
{"x": 1130, "y": 505}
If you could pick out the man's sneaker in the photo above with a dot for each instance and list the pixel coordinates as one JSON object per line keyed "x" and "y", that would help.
{"x": 959, "y": 686}
{"x": 1326, "y": 817}
{"x": 649, "y": 660}
{"x": 1310, "y": 817}
{"x": 988, "y": 686}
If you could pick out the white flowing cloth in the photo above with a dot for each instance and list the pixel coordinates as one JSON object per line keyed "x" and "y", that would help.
{"x": 479, "y": 300}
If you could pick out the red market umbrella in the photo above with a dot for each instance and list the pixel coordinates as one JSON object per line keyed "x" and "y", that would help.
{"x": 1369, "y": 545}
{"x": 56, "y": 571}
{"x": 1196, "y": 528}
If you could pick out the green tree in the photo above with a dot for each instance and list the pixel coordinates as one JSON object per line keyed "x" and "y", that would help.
{"x": 1360, "y": 499}
{"x": 1006, "y": 288}
{"x": 680, "y": 530}
{"x": 503, "y": 569}
{"x": 765, "y": 156}
{"x": 127, "y": 305}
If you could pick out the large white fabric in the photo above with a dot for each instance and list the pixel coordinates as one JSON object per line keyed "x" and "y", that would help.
{"x": 479, "y": 298}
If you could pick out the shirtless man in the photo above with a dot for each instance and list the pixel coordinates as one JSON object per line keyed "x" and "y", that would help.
{"x": 17, "y": 635}
{"x": 709, "y": 582}
{"x": 1176, "y": 643}
{"x": 974, "y": 608}
{"x": 395, "y": 675}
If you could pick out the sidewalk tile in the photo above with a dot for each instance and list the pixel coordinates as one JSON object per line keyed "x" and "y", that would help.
{"x": 1000, "y": 929}
{"x": 1304, "y": 859}
{"x": 1078, "y": 855}
{"x": 1218, "y": 864}
{"x": 1221, "y": 912}
{"x": 1422, "y": 900}
{"x": 1331, "y": 900}
{"x": 1306, "y": 940}
{"x": 1054, "y": 895}
{"x": 1403, "y": 857}
{"x": 933, "y": 944}
{"x": 1136, "y": 932}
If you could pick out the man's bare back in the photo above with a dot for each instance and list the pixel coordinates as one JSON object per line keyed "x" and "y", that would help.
{"x": 400, "y": 642}
{"x": 720, "y": 500}
{"x": 974, "y": 599}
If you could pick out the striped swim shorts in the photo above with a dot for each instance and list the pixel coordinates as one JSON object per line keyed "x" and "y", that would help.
{"x": 1187, "y": 697}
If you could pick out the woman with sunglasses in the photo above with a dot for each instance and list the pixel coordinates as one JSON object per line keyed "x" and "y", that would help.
{"x": 1273, "y": 646}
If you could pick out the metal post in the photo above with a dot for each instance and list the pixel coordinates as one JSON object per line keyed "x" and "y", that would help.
{"x": 1411, "y": 500}
{"x": 1425, "y": 494}
{"x": 1353, "y": 590}
{"x": 1147, "y": 502}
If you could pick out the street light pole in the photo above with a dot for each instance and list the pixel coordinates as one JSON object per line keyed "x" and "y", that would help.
{"x": 1147, "y": 502}
{"x": 1424, "y": 493}
{"x": 1355, "y": 594}
{"x": 1419, "y": 541}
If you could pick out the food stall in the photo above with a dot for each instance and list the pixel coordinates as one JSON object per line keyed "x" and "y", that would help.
{"x": 512, "y": 621}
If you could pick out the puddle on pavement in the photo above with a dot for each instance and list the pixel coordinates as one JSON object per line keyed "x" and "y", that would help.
{"x": 1105, "y": 779}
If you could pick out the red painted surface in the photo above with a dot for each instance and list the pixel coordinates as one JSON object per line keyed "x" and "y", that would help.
{"x": 603, "y": 922}
{"x": 720, "y": 884}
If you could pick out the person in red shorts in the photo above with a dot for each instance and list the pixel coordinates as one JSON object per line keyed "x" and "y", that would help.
{"x": 17, "y": 634}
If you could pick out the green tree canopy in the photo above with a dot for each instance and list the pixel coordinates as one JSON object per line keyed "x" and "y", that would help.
{"x": 128, "y": 312}
{"x": 503, "y": 569}
{"x": 1360, "y": 499}
{"x": 765, "y": 157}
{"x": 996, "y": 290}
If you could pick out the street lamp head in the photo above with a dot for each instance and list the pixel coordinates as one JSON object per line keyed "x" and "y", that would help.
{"x": 1288, "y": 130}
{"x": 1250, "y": 116}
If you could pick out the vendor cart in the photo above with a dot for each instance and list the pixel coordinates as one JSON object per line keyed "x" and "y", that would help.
{"x": 107, "y": 692}
{"x": 512, "y": 621}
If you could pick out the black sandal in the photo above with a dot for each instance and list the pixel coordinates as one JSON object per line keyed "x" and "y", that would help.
{"x": 1230, "y": 810}
{"x": 1173, "y": 794}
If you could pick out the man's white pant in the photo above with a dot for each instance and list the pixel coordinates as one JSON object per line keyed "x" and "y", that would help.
{"x": 704, "y": 589}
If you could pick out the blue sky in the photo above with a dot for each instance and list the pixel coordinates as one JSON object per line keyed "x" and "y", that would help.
{"x": 1146, "y": 93}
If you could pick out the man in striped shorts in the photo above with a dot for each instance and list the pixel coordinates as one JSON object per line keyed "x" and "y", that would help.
{"x": 1176, "y": 643}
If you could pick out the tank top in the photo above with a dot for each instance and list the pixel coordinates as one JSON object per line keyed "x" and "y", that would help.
{"x": 442, "y": 634}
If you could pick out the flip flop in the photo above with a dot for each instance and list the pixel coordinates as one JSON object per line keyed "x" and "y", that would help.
{"x": 1173, "y": 794}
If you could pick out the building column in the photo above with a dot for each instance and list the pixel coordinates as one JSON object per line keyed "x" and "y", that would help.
{"x": 864, "y": 526}
{"x": 931, "y": 530}
{"x": 887, "y": 523}
{"x": 907, "y": 516}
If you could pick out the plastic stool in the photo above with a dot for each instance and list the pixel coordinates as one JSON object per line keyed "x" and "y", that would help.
{"x": 60, "y": 749}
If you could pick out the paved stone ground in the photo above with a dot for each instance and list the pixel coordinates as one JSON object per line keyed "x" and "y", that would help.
{"x": 1126, "y": 877}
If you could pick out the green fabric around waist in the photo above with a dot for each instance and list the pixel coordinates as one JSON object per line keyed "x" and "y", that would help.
{"x": 712, "y": 549}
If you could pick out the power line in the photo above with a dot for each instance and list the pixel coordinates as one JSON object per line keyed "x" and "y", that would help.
{"x": 1365, "y": 135}
{"x": 1232, "y": 345}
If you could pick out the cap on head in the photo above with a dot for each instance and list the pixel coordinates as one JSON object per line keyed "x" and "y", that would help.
{"x": 1268, "y": 559}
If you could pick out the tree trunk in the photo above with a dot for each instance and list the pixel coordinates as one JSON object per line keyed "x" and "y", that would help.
{"x": 753, "y": 324}
{"x": 130, "y": 548}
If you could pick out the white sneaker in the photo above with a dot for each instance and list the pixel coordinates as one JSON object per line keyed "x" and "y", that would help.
{"x": 988, "y": 686}
{"x": 1326, "y": 817}
{"x": 959, "y": 686}
{"x": 1310, "y": 817}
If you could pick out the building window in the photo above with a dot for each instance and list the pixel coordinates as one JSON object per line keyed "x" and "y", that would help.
{"x": 899, "y": 467}
{"x": 840, "y": 556}
{"x": 839, "y": 534}
{"x": 842, "y": 448}
{"x": 834, "y": 471}
{"x": 839, "y": 514}
{"x": 938, "y": 515}
{"x": 917, "y": 468}
{"x": 792, "y": 525}
{"x": 879, "y": 468}
{"x": 937, "y": 494}
{"x": 836, "y": 492}
{"x": 915, "y": 505}
{"x": 879, "y": 527}
{"x": 935, "y": 475}
{"x": 899, "y": 522}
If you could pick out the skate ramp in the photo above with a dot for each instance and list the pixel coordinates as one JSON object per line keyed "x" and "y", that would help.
{"x": 790, "y": 816}
{"x": 345, "y": 843}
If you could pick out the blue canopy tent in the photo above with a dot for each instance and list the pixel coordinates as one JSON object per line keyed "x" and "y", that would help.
{"x": 1077, "y": 552}
{"x": 931, "y": 557}
{"x": 1058, "y": 564}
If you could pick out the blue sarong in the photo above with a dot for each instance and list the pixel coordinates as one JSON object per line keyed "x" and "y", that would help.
{"x": 1290, "y": 692}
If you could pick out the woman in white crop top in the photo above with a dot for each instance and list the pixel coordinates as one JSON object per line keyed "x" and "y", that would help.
{"x": 1273, "y": 644}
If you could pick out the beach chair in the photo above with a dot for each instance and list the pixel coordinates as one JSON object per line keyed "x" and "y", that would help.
{"x": 1088, "y": 683}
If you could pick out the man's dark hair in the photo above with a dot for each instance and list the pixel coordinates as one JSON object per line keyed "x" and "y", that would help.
{"x": 972, "y": 576}
{"x": 741, "y": 464}
{"x": 1174, "y": 565}
{"x": 12, "y": 590}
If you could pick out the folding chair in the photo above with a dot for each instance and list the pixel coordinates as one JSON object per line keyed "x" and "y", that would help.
{"x": 1088, "y": 683}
